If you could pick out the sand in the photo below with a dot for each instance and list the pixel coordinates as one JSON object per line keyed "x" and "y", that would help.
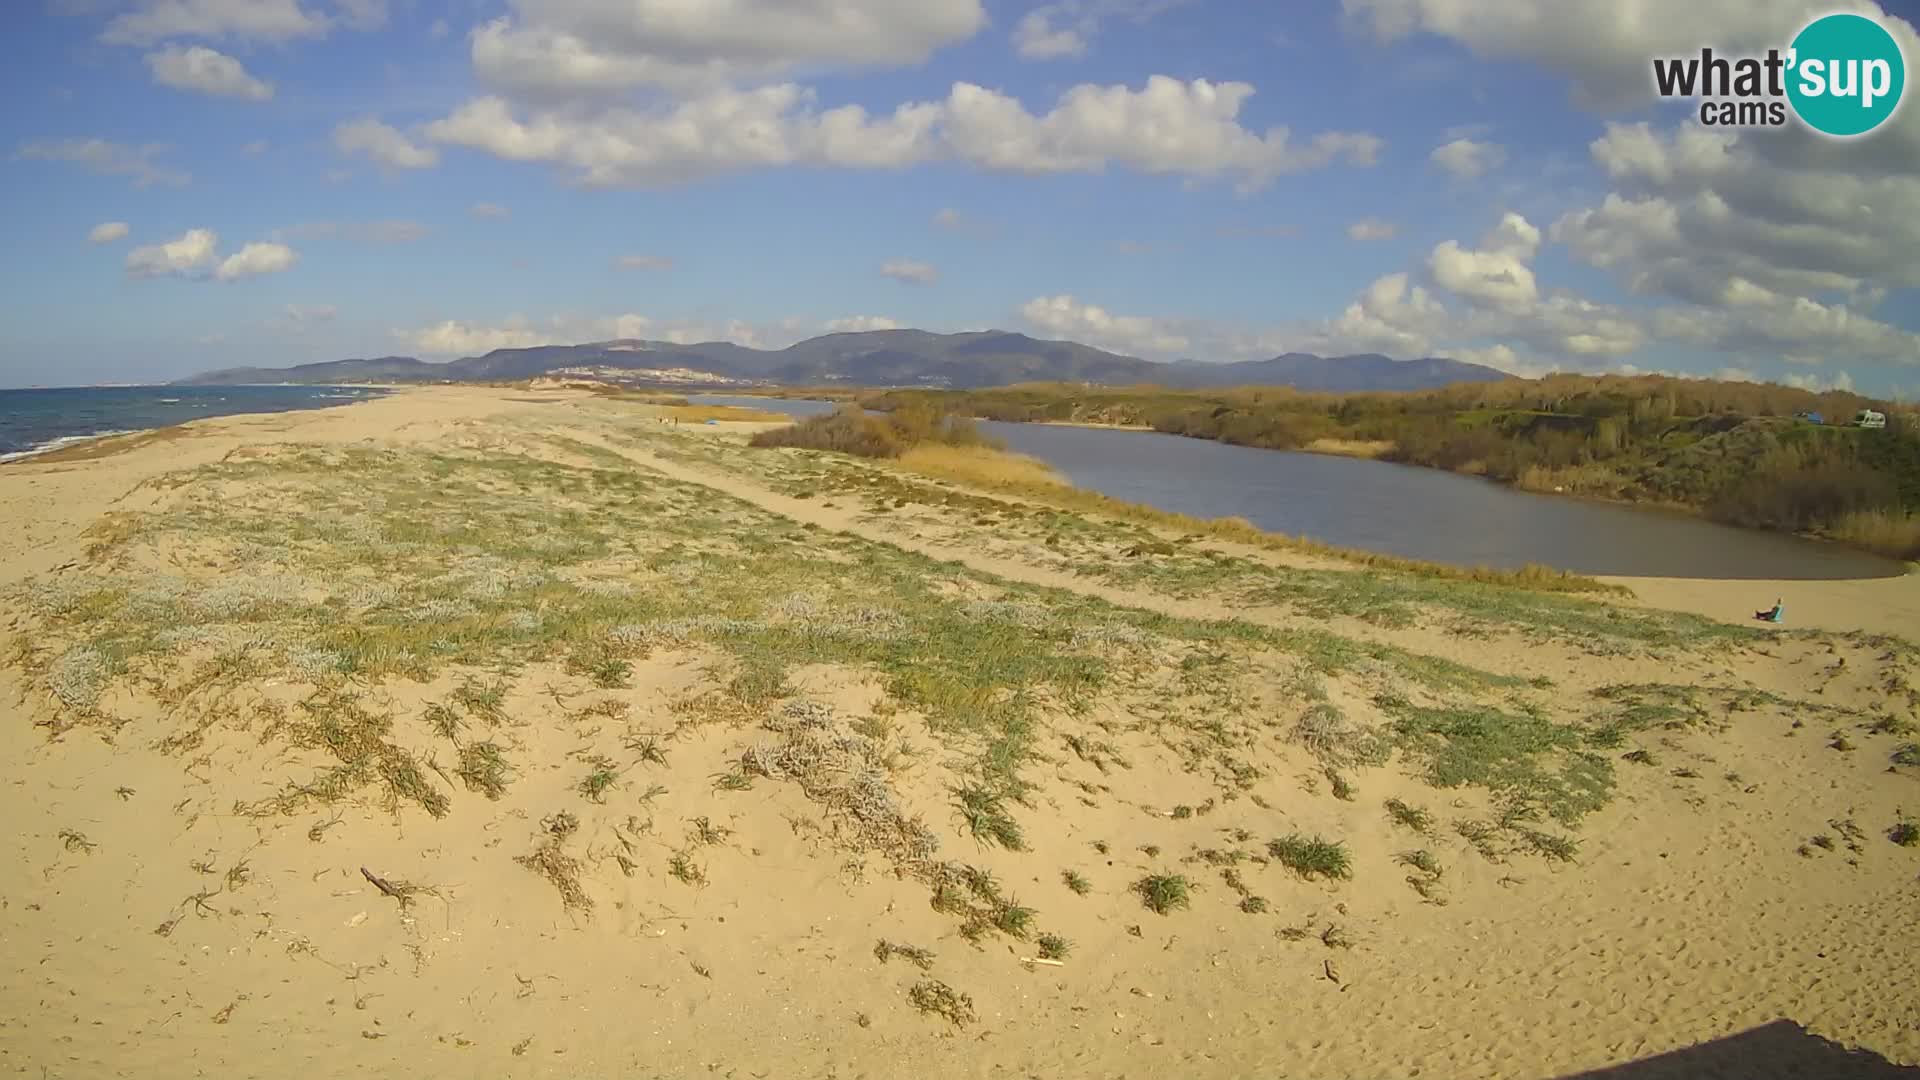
{"x": 153, "y": 927}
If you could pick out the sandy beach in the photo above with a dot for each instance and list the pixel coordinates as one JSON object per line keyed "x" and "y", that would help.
{"x": 516, "y": 733}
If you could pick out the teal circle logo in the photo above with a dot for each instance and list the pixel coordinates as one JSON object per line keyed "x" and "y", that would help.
{"x": 1846, "y": 75}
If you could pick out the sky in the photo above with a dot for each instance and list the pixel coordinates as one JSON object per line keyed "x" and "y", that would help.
{"x": 196, "y": 184}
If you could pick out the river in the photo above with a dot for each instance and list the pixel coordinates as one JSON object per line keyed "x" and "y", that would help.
{"x": 1405, "y": 510}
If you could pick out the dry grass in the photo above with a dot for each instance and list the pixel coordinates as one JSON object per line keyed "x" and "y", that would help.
{"x": 980, "y": 466}
{"x": 1356, "y": 448}
{"x": 700, "y": 414}
{"x": 1882, "y": 531}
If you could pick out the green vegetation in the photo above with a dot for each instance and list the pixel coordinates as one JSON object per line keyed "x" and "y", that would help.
{"x": 1526, "y": 759}
{"x": 939, "y": 999}
{"x": 1409, "y": 817}
{"x": 849, "y": 430}
{"x": 1312, "y": 857}
{"x": 1162, "y": 893}
{"x": 1734, "y": 451}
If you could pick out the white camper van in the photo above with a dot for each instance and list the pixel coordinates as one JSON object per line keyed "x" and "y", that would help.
{"x": 1868, "y": 418}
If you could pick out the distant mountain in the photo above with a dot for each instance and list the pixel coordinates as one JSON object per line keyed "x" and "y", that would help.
{"x": 875, "y": 358}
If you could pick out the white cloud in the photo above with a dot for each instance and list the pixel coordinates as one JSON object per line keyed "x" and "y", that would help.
{"x": 1165, "y": 127}
{"x": 1466, "y": 159}
{"x": 489, "y": 210}
{"x": 107, "y": 232}
{"x": 1497, "y": 273}
{"x": 1371, "y": 229}
{"x": 453, "y": 338}
{"x": 1036, "y": 38}
{"x": 204, "y": 71}
{"x": 1840, "y": 381}
{"x": 195, "y": 254}
{"x": 110, "y": 158}
{"x": 383, "y": 144}
{"x": 643, "y": 262}
{"x": 1068, "y": 27}
{"x": 1065, "y": 316}
{"x": 1602, "y": 46}
{"x": 858, "y": 324}
{"x": 190, "y": 252}
{"x": 460, "y": 339}
{"x": 254, "y": 259}
{"x": 911, "y": 272}
{"x": 565, "y": 48}
{"x": 267, "y": 20}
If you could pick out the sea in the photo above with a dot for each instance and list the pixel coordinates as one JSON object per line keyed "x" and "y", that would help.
{"x": 36, "y": 421}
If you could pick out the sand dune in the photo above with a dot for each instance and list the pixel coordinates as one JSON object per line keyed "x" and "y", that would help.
{"x": 671, "y": 757}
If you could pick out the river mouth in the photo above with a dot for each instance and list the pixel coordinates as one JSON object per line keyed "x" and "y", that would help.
{"x": 1407, "y": 511}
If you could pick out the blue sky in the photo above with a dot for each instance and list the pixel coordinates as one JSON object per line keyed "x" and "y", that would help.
{"x": 206, "y": 183}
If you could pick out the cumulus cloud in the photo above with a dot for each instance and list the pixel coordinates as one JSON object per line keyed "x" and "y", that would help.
{"x": 452, "y": 338}
{"x": 489, "y": 210}
{"x": 1165, "y": 127}
{"x": 107, "y": 232}
{"x": 1371, "y": 229}
{"x": 195, "y": 255}
{"x": 643, "y": 262}
{"x": 190, "y": 252}
{"x": 1067, "y": 28}
{"x": 1840, "y": 381}
{"x": 1770, "y": 242}
{"x": 1036, "y": 38}
{"x": 383, "y": 144}
{"x": 857, "y": 324}
{"x": 265, "y": 20}
{"x": 1466, "y": 159}
{"x": 106, "y": 157}
{"x": 256, "y": 258}
{"x": 205, "y": 71}
{"x": 910, "y": 272}
{"x": 1067, "y": 317}
{"x": 555, "y": 49}
{"x": 1603, "y": 49}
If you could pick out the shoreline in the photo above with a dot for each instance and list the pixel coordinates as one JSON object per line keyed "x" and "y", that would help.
{"x": 1321, "y": 448}
{"x": 82, "y": 446}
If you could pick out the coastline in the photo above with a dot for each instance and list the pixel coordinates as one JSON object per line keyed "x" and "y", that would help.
{"x": 81, "y": 446}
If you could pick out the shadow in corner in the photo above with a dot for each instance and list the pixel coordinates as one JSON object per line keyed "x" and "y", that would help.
{"x": 1782, "y": 1050}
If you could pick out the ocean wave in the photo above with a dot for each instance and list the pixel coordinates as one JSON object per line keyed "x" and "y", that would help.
{"x": 62, "y": 442}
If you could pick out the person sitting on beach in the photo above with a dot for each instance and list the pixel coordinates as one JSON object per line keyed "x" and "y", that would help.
{"x": 1771, "y": 614}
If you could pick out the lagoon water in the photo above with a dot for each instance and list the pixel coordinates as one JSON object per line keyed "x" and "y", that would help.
{"x": 1403, "y": 510}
